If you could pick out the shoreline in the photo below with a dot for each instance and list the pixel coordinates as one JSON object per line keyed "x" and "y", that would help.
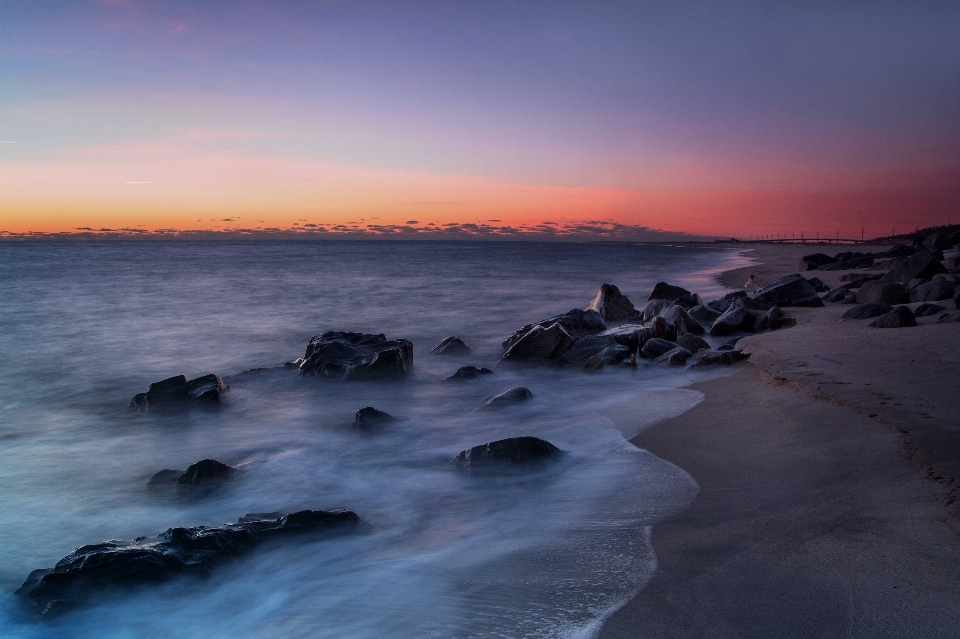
{"x": 822, "y": 463}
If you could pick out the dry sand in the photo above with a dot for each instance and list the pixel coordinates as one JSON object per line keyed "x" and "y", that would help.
{"x": 820, "y": 462}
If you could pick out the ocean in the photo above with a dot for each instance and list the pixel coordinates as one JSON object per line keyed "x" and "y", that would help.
{"x": 548, "y": 553}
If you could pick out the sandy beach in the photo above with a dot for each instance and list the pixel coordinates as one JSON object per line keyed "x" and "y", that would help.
{"x": 826, "y": 465}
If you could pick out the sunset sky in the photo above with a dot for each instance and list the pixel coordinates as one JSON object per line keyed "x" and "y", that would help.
{"x": 719, "y": 119}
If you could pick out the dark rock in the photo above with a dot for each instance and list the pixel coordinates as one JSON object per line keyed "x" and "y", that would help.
{"x": 653, "y": 309}
{"x": 704, "y": 314}
{"x": 664, "y": 291}
{"x": 901, "y": 250}
{"x": 692, "y": 343}
{"x": 818, "y": 284}
{"x": 937, "y": 242}
{"x": 357, "y": 356}
{"x": 837, "y": 295}
{"x": 726, "y": 301}
{"x": 629, "y": 335}
{"x": 204, "y": 471}
{"x": 166, "y": 476}
{"x": 948, "y": 318}
{"x": 654, "y": 348}
{"x": 899, "y": 317}
{"x": 688, "y": 301}
{"x": 676, "y": 357}
{"x": 176, "y": 393}
{"x": 541, "y": 344}
{"x": 791, "y": 290}
{"x": 677, "y": 314}
{"x": 577, "y": 323}
{"x": 606, "y": 347}
{"x": 813, "y": 261}
{"x": 593, "y": 364}
{"x": 712, "y": 358}
{"x": 868, "y": 310}
{"x": 469, "y": 372}
{"x": 927, "y": 309}
{"x": 729, "y": 345}
{"x": 914, "y": 283}
{"x": 734, "y": 319}
{"x": 112, "y": 567}
{"x": 370, "y": 417}
{"x": 507, "y": 398}
{"x": 451, "y": 346}
{"x": 769, "y": 321}
{"x": 612, "y": 305}
{"x": 515, "y": 450}
{"x": 856, "y": 280}
{"x": 933, "y": 291}
{"x": 921, "y": 264}
{"x": 891, "y": 293}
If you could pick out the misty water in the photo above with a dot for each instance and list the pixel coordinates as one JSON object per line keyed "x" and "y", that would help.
{"x": 545, "y": 553}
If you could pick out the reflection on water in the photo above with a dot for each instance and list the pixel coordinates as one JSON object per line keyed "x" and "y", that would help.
{"x": 84, "y": 327}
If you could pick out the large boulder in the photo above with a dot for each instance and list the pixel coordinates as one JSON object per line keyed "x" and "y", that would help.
{"x": 727, "y": 301}
{"x": 899, "y": 317}
{"x": 512, "y": 451}
{"x": 469, "y": 372}
{"x": 605, "y": 347}
{"x": 769, "y": 321}
{"x": 714, "y": 358}
{"x": 653, "y": 308}
{"x": 109, "y": 568}
{"x": 692, "y": 343}
{"x": 817, "y": 284}
{"x": 205, "y": 470}
{"x": 868, "y": 310}
{"x": 664, "y": 291}
{"x": 925, "y": 310}
{"x": 838, "y": 295}
{"x": 921, "y": 264}
{"x": 937, "y": 242}
{"x": 792, "y": 290}
{"x": 370, "y": 417}
{"x": 900, "y": 250}
{"x": 734, "y": 319}
{"x": 541, "y": 344}
{"x": 688, "y": 301}
{"x": 630, "y": 335}
{"x": 678, "y": 315}
{"x": 654, "y": 348}
{"x": 890, "y": 292}
{"x": 935, "y": 290}
{"x": 612, "y": 305}
{"x": 357, "y": 356}
{"x": 176, "y": 393}
{"x": 507, "y": 398}
{"x": 813, "y": 261}
{"x": 451, "y": 346}
{"x": 577, "y": 323}
{"x": 704, "y": 314}
{"x": 676, "y": 357}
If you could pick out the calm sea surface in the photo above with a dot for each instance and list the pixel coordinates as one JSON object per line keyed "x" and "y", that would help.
{"x": 85, "y": 326}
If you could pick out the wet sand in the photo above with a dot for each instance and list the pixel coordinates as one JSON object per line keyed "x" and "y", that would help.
{"x": 824, "y": 463}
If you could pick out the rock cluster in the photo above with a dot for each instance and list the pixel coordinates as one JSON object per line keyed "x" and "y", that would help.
{"x": 357, "y": 356}
{"x": 176, "y": 393}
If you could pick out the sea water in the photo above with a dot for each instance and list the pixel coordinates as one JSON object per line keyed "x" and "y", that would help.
{"x": 443, "y": 553}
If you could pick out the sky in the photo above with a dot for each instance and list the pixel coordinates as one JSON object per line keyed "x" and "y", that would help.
{"x": 634, "y": 118}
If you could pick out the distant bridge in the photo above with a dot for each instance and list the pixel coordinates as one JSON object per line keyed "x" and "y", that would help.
{"x": 806, "y": 240}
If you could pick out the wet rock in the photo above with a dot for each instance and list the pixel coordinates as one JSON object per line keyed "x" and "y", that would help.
{"x": 107, "y": 569}
{"x": 704, "y": 314}
{"x": 688, "y": 301}
{"x": 357, "y": 357}
{"x": 612, "y": 305}
{"x": 370, "y": 417}
{"x": 729, "y": 345}
{"x": 866, "y": 311}
{"x": 451, "y": 346}
{"x": 769, "y": 321}
{"x": 606, "y": 347}
{"x": 677, "y": 314}
{"x": 577, "y": 323}
{"x": 512, "y": 451}
{"x": 891, "y": 293}
{"x": 692, "y": 343}
{"x": 813, "y": 261}
{"x": 507, "y": 398}
{"x": 664, "y": 291}
{"x": 176, "y": 393}
{"x": 714, "y": 358}
{"x": 899, "y": 317}
{"x": 726, "y": 301}
{"x": 654, "y": 348}
{"x": 469, "y": 372}
{"x": 676, "y": 357}
{"x": 204, "y": 471}
{"x": 921, "y": 264}
{"x": 927, "y": 309}
{"x": 541, "y": 344}
{"x": 734, "y": 319}
{"x": 653, "y": 309}
{"x": 593, "y": 365}
{"x": 630, "y": 335}
{"x": 935, "y": 290}
{"x": 165, "y": 477}
{"x": 792, "y": 290}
